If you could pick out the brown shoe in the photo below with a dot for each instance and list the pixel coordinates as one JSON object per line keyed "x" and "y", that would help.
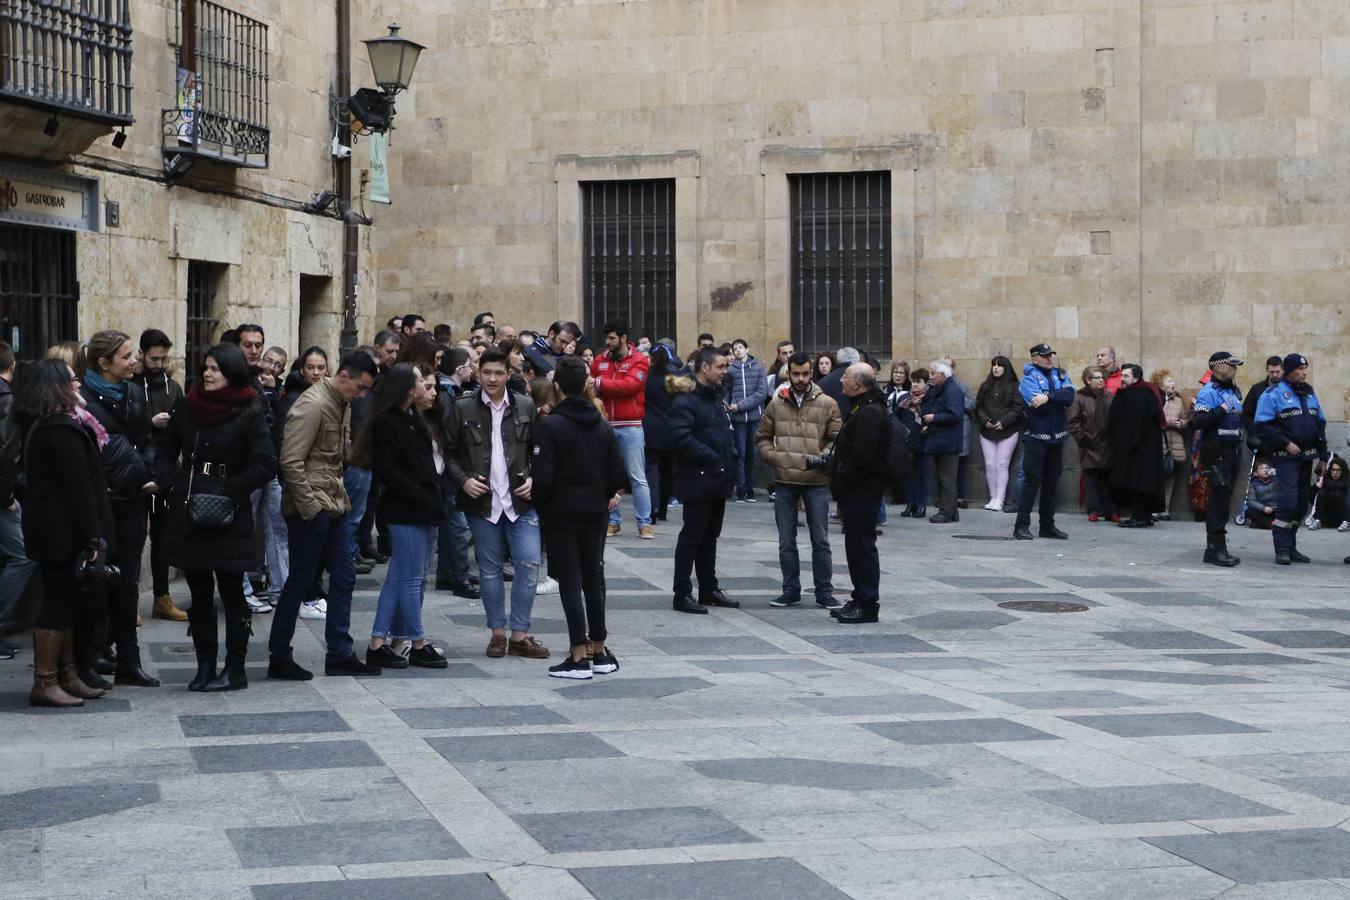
{"x": 647, "y": 533}
{"x": 497, "y": 646}
{"x": 614, "y": 529}
{"x": 164, "y": 609}
{"x": 67, "y": 676}
{"x": 528, "y": 646}
{"x": 47, "y": 645}
{"x": 139, "y": 621}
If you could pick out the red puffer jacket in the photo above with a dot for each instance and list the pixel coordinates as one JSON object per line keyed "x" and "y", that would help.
{"x": 621, "y": 386}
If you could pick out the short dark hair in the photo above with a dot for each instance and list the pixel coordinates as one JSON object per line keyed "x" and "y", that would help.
{"x": 706, "y": 336}
{"x": 230, "y": 336}
{"x": 570, "y": 376}
{"x": 153, "y": 337}
{"x": 442, "y": 332}
{"x": 485, "y": 314}
{"x": 741, "y": 341}
{"x": 615, "y": 326}
{"x": 230, "y": 360}
{"x": 493, "y": 355}
{"x": 452, "y": 359}
{"x": 250, "y": 326}
{"x": 484, "y": 326}
{"x": 782, "y": 344}
{"x": 410, "y": 320}
{"x": 357, "y": 363}
{"x": 6, "y": 357}
{"x": 386, "y": 336}
{"x": 800, "y": 358}
{"x": 559, "y": 327}
{"x": 705, "y": 356}
{"x": 1274, "y": 361}
{"x": 1137, "y": 369}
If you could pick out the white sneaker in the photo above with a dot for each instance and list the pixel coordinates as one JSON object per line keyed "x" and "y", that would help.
{"x": 991, "y": 505}
{"x": 1313, "y": 524}
{"x": 258, "y": 605}
{"x": 314, "y": 609}
{"x": 546, "y": 585}
{"x": 1344, "y": 526}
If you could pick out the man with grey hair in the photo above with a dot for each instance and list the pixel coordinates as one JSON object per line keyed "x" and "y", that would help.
{"x": 1106, "y": 361}
{"x": 832, "y": 384}
{"x": 859, "y": 481}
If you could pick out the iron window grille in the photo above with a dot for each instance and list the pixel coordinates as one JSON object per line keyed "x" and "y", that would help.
{"x": 68, "y": 55}
{"x": 201, "y": 314}
{"x": 222, "y": 86}
{"x": 628, "y": 255}
{"x": 841, "y": 261}
{"x": 39, "y": 294}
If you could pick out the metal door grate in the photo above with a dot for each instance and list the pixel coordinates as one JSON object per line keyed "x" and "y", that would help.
{"x": 201, "y": 314}
{"x": 841, "y": 261}
{"x": 39, "y": 294}
{"x": 628, "y": 250}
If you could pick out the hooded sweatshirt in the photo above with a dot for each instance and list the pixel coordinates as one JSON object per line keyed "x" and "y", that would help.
{"x": 576, "y": 466}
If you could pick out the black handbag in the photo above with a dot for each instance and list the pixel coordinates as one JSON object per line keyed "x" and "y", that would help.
{"x": 207, "y": 509}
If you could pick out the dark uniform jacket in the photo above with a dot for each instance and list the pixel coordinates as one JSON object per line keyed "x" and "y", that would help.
{"x": 705, "y": 449}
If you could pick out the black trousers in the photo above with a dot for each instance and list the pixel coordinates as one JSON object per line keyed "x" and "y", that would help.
{"x": 576, "y": 560}
{"x": 1042, "y": 463}
{"x": 858, "y": 514}
{"x": 696, "y": 547}
{"x": 1222, "y": 472}
{"x": 947, "y": 466}
{"x": 129, "y": 523}
{"x": 62, "y": 600}
{"x": 203, "y": 584}
{"x": 660, "y": 478}
{"x": 159, "y": 569}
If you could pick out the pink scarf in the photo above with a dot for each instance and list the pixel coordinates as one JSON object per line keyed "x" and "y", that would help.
{"x": 86, "y": 418}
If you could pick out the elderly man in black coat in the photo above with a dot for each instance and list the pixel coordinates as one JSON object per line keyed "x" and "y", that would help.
{"x": 859, "y": 480}
{"x": 1134, "y": 430}
{"x": 705, "y": 475}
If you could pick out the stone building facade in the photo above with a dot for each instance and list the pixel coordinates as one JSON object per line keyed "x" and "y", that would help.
{"x": 1171, "y": 177}
{"x": 192, "y": 225}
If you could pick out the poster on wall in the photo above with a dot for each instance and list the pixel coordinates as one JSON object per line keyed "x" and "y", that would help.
{"x": 379, "y": 168}
{"x": 188, "y": 89}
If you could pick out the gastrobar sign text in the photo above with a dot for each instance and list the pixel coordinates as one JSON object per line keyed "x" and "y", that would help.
{"x": 48, "y": 199}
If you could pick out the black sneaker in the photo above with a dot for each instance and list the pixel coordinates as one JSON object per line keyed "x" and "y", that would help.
{"x": 786, "y": 600}
{"x": 350, "y": 665}
{"x": 427, "y": 657}
{"x": 571, "y": 668}
{"x": 830, "y": 603}
{"x": 384, "y": 657}
{"x": 288, "y": 670}
{"x": 604, "y": 663}
{"x": 7, "y": 650}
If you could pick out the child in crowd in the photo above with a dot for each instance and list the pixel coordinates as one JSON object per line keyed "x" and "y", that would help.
{"x": 1329, "y": 503}
{"x": 1262, "y": 492}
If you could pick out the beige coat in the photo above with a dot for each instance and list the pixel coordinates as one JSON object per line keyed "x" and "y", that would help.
{"x": 1174, "y": 440}
{"x": 312, "y": 454}
{"x": 787, "y": 434}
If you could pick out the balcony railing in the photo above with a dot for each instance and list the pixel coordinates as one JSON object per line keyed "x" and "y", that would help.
{"x": 68, "y": 55}
{"x": 221, "y": 108}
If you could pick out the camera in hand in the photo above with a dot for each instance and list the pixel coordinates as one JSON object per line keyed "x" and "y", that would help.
{"x": 97, "y": 570}
{"x": 819, "y": 463}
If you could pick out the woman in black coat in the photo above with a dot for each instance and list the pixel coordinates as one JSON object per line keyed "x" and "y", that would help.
{"x": 1134, "y": 429}
{"x": 217, "y": 443}
{"x": 66, "y": 516}
{"x": 660, "y": 446}
{"x": 396, "y": 444}
{"x": 998, "y": 412}
{"x": 119, "y": 404}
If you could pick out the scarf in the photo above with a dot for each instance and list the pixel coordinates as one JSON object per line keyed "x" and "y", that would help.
{"x": 86, "y": 418}
{"x": 213, "y": 407}
{"x": 116, "y": 391}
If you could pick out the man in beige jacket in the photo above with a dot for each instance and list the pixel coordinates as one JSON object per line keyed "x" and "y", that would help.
{"x": 315, "y": 504}
{"x": 800, "y": 421}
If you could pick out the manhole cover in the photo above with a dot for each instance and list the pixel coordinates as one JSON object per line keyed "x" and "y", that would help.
{"x": 1043, "y": 606}
{"x": 982, "y": 537}
{"x": 180, "y": 649}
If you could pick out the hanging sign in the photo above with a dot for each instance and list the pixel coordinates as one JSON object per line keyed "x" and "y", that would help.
{"x": 379, "y": 168}
{"x": 49, "y": 199}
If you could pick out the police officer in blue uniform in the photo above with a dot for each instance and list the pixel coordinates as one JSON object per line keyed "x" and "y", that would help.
{"x": 1047, "y": 394}
{"x": 1217, "y": 418}
{"x": 1293, "y": 432}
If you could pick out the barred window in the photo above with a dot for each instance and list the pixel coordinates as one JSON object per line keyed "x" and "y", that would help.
{"x": 75, "y": 57}
{"x": 204, "y": 280}
{"x": 628, "y": 252}
{"x": 841, "y": 261}
{"x": 39, "y": 294}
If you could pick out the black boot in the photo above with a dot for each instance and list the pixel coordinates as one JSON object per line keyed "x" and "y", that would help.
{"x": 129, "y": 669}
{"x": 233, "y": 677}
{"x": 84, "y": 666}
{"x": 202, "y": 629}
{"x": 1216, "y": 553}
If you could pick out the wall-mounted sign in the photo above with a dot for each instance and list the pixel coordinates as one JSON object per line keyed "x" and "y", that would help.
{"x": 379, "y": 168}
{"x": 49, "y": 199}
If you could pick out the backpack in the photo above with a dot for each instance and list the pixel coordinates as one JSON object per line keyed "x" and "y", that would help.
{"x": 898, "y": 460}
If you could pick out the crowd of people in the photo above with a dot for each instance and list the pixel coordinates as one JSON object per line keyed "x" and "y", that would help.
{"x": 275, "y": 486}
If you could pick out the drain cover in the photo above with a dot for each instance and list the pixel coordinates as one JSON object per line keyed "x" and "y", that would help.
{"x": 180, "y": 649}
{"x": 982, "y": 537}
{"x": 1043, "y": 606}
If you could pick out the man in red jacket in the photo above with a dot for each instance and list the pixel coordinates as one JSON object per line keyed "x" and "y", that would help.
{"x": 620, "y": 375}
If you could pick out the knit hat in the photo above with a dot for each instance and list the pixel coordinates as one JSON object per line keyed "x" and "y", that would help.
{"x": 1294, "y": 361}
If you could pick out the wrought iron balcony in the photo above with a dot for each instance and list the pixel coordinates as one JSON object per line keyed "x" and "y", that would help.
{"x": 221, "y": 108}
{"x": 72, "y": 56}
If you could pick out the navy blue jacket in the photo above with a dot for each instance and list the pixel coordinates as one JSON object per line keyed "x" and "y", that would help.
{"x": 1050, "y": 421}
{"x": 656, "y": 423}
{"x": 1291, "y": 413}
{"x": 947, "y": 404}
{"x": 705, "y": 452}
{"x": 1216, "y": 413}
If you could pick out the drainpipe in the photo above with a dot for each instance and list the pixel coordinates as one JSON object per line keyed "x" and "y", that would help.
{"x": 350, "y": 235}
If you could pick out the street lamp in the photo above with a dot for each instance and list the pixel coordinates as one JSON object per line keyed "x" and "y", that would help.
{"x": 392, "y": 59}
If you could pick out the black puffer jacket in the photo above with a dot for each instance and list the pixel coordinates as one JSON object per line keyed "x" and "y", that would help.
{"x": 412, "y": 493}
{"x": 243, "y": 445}
{"x": 65, "y": 502}
{"x": 860, "y": 450}
{"x": 129, "y": 455}
{"x": 705, "y": 449}
{"x": 577, "y": 467}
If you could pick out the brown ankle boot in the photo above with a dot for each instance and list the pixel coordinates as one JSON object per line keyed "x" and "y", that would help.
{"x": 46, "y": 653}
{"x": 164, "y": 609}
{"x": 68, "y": 676}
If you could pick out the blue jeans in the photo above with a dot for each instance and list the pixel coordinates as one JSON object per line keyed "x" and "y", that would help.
{"x": 817, "y": 501}
{"x": 325, "y": 541}
{"x": 452, "y": 545}
{"x": 18, "y": 567}
{"x": 490, "y": 542}
{"x": 920, "y": 481}
{"x": 632, "y": 448}
{"x": 410, "y": 546}
{"x": 743, "y": 433}
{"x": 278, "y": 559}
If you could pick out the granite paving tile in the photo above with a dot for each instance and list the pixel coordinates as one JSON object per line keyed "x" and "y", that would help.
{"x": 815, "y": 773}
{"x": 633, "y": 829}
{"x": 881, "y": 704}
{"x": 871, "y": 643}
{"x": 416, "y": 887}
{"x": 958, "y": 731}
{"x": 1258, "y": 857}
{"x": 1159, "y": 724}
{"x": 1301, "y": 640}
{"x": 1242, "y": 658}
{"x": 275, "y": 757}
{"x": 49, "y": 806}
{"x": 343, "y": 843}
{"x": 567, "y": 745}
{"x": 733, "y": 878}
{"x": 1155, "y": 803}
{"x": 1146, "y": 677}
{"x": 262, "y": 723}
{"x": 478, "y": 716}
{"x": 1167, "y": 640}
{"x": 1069, "y": 699}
